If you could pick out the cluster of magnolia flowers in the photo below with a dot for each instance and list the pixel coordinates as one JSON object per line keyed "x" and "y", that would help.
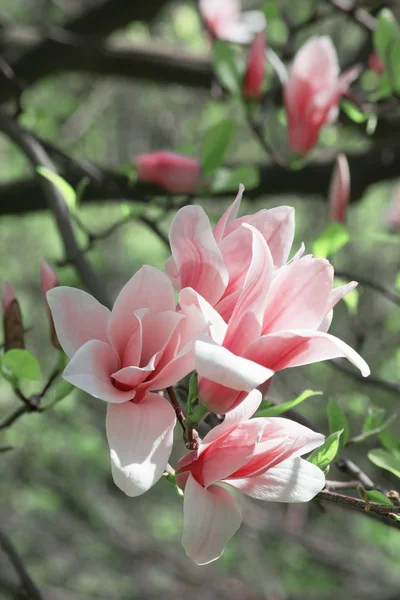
{"x": 244, "y": 312}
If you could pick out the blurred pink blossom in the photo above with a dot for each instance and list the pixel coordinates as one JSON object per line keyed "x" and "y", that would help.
{"x": 174, "y": 172}
{"x": 224, "y": 20}
{"x": 339, "y": 192}
{"x": 313, "y": 91}
{"x": 255, "y": 68}
{"x": 375, "y": 63}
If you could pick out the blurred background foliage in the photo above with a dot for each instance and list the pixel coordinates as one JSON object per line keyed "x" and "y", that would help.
{"x": 79, "y": 535}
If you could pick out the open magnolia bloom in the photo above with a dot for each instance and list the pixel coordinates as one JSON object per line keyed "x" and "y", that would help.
{"x": 313, "y": 92}
{"x": 121, "y": 356}
{"x": 225, "y": 21}
{"x": 259, "y": 457}
{"x": 215, "y": 262}
{"x": 280, "y": 320}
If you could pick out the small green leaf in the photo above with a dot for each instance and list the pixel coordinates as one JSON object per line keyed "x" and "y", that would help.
{"x": 227, "y": 180}
{"x": 279, "y": 409}
{"x": 193, "y": 392}
{"x": 61, "y": 391}
{"x": 338, "y": 420}
{"x": 215, "y": 144}
{"x": 385, "y": 33}
{"x": 326, "y": 453}
{"x": 393, "y": 68}
{"x": 66, "y": 190}
{"x": 386, "y": 460}
{"x": 375, "y": 417}
{"x": 225, "y": 64}
{"x": 353, "y": 112}
{"x": 22, "y": 364}
{"x": 389, "y": 441}
{"x": 375, "y": 496}
{"x": 331, "y": 240}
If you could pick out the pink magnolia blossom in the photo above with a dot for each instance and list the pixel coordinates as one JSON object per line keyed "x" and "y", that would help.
{"x": 123, "y": 355}
{"x": 259, "y": 457}
{"x": 340, "y": 190}
{"x": 49, "y": 281}
{"x": 280, "y": 320}
{"x": 7, "y": 296}
{"x": 174, "y": 172}
{"x": 255, "y": 68}
{"x": 313, "y": 92}
{"x": 225, "y": 21}
{"x": 215, "y": 262}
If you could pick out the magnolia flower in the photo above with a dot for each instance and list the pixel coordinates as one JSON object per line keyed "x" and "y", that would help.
{"x": 122, "y": 356}
{"x": 255, "y": 68}
{"x": 174, "y": 172}
{"x": 313, "y": 92}
{"x": 375, "y": 63}
{"x": 225, "y": 21}
{"x": 339, "y": 192}
{"x": 258, "y": 457}
{"x": 215, "y": 263}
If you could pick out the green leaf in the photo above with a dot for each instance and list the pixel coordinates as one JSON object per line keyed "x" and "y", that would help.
{"x": 63, "y": 186}
{"x": 227, "y": 180}
{"x": 393, "y": 68}
{"x": 386, "y": 32}
{"x": 226, "y": 66}
{"x": 22, "y": 364}
{"x": 389, "y": 441}
{"x": 353, "y": 112}
{"x": 193, "y": 392}
{"x": 326, "y": 453}
{"x": 279, "y": 409}
{"x": 338, "y": 420}
{"x": 385, "y": 460}
{"x": 375, "y": 417}
{"x": 60, "y": 391}
{"x": 331, "y": 240}
{"x": 215, "y": 144}
{"x": 374, "y": 431}
{"x": 375, "y": 496}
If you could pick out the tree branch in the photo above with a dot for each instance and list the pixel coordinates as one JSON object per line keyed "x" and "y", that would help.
{"x": 55, "y": 201}
{"x": 18, "y": 564}
{"x": 389, "y": 512}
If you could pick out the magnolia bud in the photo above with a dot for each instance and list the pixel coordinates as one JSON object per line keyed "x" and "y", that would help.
{"x": 339, "y": 192}
{"x": 175, "y": 173}
{"x": 255, "y": 69}
{"x": 12, "y": 319}
{"x": 49, "y": 281}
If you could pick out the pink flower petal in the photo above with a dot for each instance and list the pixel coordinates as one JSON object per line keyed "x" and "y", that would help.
{"x": 148, "y": 288}
{"x": 130, "y": 377}
{"x": 255, "y": 67}
{"x": 339, "y": 192}
{"x": 216, "y": 325}
{"x": 218, "y": 364}
{"x": 299, "y": 295}
{"x": 78, "y": 317}
{"x": 228, "y": 217}
{"x": 301, "y": 347}
{"x": 91, "y": 368}
{"x": 157, "y": 331}
{"x": 246, "y": 320}
{"x": 240, "y": 414}
{"x": 196, "y": 253}
{"x": 294, "y": 480}
{"x": 140, "y": 438}
{"x": 210, "y": 518}
{"x": 133, "y": 347}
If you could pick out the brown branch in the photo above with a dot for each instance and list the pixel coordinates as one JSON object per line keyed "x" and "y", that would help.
{"x": 361, "y": 505}
{"x": 15, "y": 559}
{"x": 14, "y": 416}
{"x": 48, "y": 54}
{"x": 24, "y": 196}
{"x": 56, "y": 202}
{"x": 341, "y": 485}
{"x": 373, "y": 285}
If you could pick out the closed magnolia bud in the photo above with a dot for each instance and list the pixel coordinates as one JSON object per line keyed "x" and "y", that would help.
{"x": 49, "y": 281}
{"x": 393, "y": 216}
{"x": 255, "y": 68}
{"x": 175, "y": 173}
{"x": 375, "y": 63}
{"x": 12, "y": 319}
{"x": 340, "y": 190}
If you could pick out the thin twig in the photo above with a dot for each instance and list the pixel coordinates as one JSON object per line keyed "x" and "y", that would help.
{"x": 373, "y": 285}
{"x": 18, "y": 564}
{"x": 358, "y": 504}
{"x": 153, "y": 225}
{"x": 388, "y": 386}
{"x": 177, "y": 407}
{"x": 14, "y": 416}
{"x": 56, "y": 202}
